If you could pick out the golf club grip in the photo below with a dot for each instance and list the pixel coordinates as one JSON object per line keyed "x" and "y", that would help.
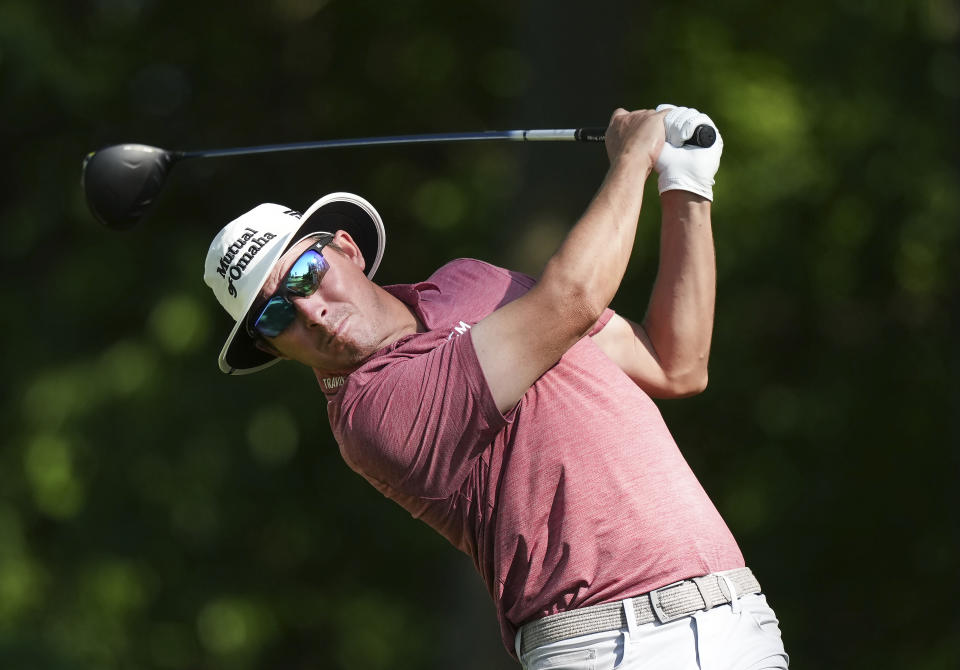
{"x": 703, "y": 136}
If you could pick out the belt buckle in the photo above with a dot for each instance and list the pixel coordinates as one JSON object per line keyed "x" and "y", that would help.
{"x": 658, "y": 612}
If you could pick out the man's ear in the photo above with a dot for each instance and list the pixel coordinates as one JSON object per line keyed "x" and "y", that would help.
{"x": 349, "y": 248}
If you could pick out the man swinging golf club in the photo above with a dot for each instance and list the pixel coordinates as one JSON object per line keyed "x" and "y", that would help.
{"x": 514, "y": 416}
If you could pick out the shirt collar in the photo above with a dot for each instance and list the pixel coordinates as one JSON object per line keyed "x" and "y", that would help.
{"x": 413, "y": 295}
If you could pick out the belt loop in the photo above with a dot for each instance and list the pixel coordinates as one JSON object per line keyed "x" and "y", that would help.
{"x": 631, "y": 614}
{"x": 733, "y": 592}
{"x": 516, "y": 644}
{"x": 724, "y": 589}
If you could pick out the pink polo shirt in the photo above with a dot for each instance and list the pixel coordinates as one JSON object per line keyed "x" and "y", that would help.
{"x": 576, "y": 497}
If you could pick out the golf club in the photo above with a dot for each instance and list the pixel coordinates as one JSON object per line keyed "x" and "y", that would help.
{"x": 122, "y": 181}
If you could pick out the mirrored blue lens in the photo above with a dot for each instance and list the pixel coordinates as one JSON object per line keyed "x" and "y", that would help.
{"x": 302, "y": 280}
{"x": 305, "y": 275}
{"x": 275, "y": 317}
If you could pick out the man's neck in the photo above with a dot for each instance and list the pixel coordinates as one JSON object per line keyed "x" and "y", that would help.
{"x": 399, "y": 318}
{"x": 408, "y": 323}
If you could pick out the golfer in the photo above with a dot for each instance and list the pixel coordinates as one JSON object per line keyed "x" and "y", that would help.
{"x": 514, "y": 415}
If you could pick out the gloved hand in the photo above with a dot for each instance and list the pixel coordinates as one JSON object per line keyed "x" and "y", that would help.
{"x": 687, "y": 168}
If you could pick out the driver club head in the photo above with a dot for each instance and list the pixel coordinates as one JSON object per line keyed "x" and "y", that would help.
{"x": 122, "y": 181}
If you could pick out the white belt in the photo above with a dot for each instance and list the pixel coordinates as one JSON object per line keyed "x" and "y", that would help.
{"x": 673, "y": 601}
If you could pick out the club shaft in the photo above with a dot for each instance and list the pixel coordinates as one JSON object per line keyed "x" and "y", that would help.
{"x": 556, "y": 135}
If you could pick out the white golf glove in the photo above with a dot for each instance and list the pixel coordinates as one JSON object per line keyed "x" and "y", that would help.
{"x": 687, "y": 168}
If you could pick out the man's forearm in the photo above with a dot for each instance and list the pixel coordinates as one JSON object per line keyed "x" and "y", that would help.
{"x": 590, "y": 263}
{"x": 596, "y": 251}
{"x": 521, "y": 340}
{"x": 679, "y": 320}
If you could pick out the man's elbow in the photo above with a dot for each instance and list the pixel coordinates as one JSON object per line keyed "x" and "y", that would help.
{"x": 579, "y": 307}
{"x": 687, "y": 384}
{"x": 696, "y": 385}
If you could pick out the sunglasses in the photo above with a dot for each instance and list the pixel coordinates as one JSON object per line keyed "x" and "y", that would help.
{"x": 302, "y": 280}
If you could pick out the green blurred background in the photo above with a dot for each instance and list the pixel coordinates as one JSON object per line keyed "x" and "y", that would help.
{"x": 157, "y": 514}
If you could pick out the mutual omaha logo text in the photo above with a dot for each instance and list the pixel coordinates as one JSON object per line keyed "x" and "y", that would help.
{"x": 233, "y": 271}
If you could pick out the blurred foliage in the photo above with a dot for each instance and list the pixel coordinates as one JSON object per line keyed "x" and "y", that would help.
{"x": 157, "y": 514}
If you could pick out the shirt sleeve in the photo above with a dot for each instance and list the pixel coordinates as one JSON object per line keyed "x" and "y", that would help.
{"x": 420, "y": 421}
{"x": 601, "y": 322}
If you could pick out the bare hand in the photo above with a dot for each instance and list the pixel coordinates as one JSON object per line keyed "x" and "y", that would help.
{"x": 635, "y": 136}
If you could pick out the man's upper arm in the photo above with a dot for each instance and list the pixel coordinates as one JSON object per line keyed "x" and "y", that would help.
{"x": 521, "y": 340}
{"x": 626, "y": 343}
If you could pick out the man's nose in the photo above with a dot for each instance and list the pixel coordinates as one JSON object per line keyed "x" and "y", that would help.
{"x": 312, "y": 309}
